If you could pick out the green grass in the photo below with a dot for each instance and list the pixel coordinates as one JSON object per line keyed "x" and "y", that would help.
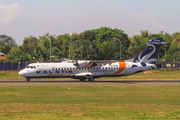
{"x": 9, "y": 75}
{"x": 150, "y": 75}
{"x": 90, "y": 102}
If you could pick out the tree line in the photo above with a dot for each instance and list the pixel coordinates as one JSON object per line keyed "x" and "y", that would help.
{"x": 96, "y": 44}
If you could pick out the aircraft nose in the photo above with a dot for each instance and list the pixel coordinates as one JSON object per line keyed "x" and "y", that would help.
{"x": 21, "y": 73}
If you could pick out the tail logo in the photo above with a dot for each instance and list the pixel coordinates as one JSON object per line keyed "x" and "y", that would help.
{"x": 150, "y": 54}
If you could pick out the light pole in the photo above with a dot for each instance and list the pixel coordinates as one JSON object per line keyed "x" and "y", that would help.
{"x": 70, "y": 48}
{"x": 164, "y": 50}
{"x": 119, "y": 47}
{"x": 50, "y": 49}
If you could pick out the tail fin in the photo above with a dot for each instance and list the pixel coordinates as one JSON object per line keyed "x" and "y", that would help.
{"x": 150, "y": 54}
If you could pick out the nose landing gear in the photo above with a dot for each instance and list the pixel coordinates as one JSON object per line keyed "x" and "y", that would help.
{"x": 28, "y": 79}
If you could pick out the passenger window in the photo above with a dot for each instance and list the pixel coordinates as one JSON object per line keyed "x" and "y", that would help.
{"x": 119, "y": 67}
{"x": 34, "y": 67}
{"x": 97, "y": 68}
{"x": 103, "y": 68}
{"x": 61, "y": 68}
{"x": 70, "y": 68}
{"x": 67, "y": 68}
{"x": 123, "y": 68}
{"x": 64, "y": 68}
{"x": 108, "y": 68}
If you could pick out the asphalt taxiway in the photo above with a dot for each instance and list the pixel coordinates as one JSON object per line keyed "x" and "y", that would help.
{"x": 86, "y": 83}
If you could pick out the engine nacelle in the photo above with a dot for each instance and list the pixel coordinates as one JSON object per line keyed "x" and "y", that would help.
{"x": 82, "y": 64}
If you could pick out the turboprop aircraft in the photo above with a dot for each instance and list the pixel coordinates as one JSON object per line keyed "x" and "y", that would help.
{"x": 91, "y": 69}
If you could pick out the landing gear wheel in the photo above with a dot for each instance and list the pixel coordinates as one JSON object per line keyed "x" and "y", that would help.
{"x": 28, "y": 79}
{"x": 82, "y": 79}
{"x": 91, "y": 79}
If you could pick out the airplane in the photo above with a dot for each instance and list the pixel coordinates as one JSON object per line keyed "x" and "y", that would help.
{"x": 91, "y": 69}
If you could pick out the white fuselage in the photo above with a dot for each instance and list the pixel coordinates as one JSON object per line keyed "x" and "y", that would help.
{"x": 121, "y": 68}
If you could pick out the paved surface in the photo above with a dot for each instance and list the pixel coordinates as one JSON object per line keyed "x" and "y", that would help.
{"x": 86, "y": 83}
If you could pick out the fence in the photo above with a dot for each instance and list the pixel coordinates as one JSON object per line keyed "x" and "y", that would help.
{"x": 169, "y": 65}
{"x": 12, "y": 66}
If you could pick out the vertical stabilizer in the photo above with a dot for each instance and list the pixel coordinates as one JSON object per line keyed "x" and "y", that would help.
{"x": 150, "y": 54}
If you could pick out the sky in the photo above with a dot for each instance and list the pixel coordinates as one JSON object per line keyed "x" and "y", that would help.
{"x": 22, "y": 18}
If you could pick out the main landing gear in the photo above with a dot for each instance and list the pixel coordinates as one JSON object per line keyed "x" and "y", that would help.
{"x": 89, "y": 77}
{"x": 28, "y": 79}
{"x": 82, "y": 80}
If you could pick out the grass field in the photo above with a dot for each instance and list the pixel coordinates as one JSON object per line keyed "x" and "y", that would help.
{"x": 150, "y": 75}
{"x": 90, "y": 102}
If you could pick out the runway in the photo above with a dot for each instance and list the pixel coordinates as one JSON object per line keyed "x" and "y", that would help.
{"x": 86, "y": 83}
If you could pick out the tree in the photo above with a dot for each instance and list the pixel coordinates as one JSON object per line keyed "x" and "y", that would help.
{"x": 6, "y": 42}
{"x": 17, "y": 54}
{"x": 175, "y": 39}
{"x": 45, "y": 42}
{"x": 2, "y": 47}
{"x": 98, "y": 44}
{"x": 173, "y": 54}
{"x": 62, "y": 44}
{"x": 30, "y": 44}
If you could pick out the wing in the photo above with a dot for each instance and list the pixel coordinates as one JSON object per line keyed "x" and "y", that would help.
{"x": 92, "y": 63}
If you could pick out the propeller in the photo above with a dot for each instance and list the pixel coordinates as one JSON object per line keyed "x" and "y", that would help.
{"x": 76, "y": 63}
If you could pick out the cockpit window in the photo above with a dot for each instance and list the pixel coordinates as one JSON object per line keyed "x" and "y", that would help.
{"x": 31, "y": 67}
{"x": 28, "y": 67}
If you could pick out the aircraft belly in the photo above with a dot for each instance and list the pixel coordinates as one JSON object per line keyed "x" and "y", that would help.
{"x": 90, "y": 73}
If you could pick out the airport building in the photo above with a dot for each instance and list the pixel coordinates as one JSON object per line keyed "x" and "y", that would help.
{"x": 2, "y": 56}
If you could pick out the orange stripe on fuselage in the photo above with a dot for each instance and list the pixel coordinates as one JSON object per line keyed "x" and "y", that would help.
{"x": 122, "y": 64}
